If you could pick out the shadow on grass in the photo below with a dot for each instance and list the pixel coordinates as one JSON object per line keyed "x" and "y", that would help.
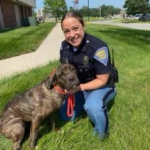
{"x": 11, "y": 29}
{"x": 111, "y": 104}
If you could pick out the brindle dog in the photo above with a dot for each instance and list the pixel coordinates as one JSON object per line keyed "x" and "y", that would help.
{"x": 35, "y": 104}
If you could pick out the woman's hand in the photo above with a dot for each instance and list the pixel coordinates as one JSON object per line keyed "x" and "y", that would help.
{"x": 74, "y": 90}
{"x": 100, "y": 81}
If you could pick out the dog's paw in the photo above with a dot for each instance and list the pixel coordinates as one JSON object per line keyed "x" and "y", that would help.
{"x": 58, "y": 130}
{"x": 61, "y": 131}
{"x": 32, "y": 145}
{"x": 17, "y": 146}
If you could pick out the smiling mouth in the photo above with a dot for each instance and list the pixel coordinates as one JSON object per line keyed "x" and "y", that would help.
{"x": 73, "y": 40}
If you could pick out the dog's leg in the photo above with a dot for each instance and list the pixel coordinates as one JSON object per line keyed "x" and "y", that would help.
{"x": 19, "y": 131}
{"x": 53, "y": 124}
{"x": 34, "y": 131}
{"x": 15, "y": 131}
{"x": 17, "y": 145}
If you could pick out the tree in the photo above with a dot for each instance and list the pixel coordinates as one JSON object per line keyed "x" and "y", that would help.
{"x": 71, "y": 9}
{"x": 116, "y": 10}
{"x": 84, "y": 11}
{"x": 137, "y": 7}
{"x": 109, "y": 11}
{"x": 95, "y": 12}
{"x": 56, "y": 7}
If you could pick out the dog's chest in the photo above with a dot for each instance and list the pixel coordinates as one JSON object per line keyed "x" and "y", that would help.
{"x": 46, "y": 108}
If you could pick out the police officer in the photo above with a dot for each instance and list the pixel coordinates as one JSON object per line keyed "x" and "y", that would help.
{"x": 91, "y": 58}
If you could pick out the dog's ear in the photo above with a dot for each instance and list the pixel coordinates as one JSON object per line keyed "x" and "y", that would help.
{"x": 52, "y": 79}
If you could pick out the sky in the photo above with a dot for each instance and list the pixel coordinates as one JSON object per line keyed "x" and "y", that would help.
{"x": 92, "y": 3}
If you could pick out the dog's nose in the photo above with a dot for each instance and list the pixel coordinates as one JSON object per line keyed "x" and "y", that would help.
{"x": 71, "y": 78}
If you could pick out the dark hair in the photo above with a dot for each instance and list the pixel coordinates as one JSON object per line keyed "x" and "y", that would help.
{"x": 73, "y": 14}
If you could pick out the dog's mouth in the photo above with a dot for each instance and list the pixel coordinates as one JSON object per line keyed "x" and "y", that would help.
{"x": 72, "y": 87}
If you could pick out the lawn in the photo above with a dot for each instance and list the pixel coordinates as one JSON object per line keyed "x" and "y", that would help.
{"x": 14, "y": 42}
{"x": 129, "y": 116}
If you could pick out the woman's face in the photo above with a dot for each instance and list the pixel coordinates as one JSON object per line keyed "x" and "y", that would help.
{"x": 73, "y": 31}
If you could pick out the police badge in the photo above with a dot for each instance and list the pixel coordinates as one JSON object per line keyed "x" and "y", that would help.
{"x": 85, "y": 60}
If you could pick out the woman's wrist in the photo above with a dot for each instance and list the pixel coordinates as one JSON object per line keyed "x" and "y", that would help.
{"x": 82, "y": 87}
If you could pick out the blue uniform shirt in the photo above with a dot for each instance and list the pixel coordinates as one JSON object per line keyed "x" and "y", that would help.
{"x": 90, "y": 59}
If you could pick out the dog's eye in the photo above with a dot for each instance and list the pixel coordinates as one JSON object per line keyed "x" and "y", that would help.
{"x": 72, "y": 69}
{"x": 60, "y": 76}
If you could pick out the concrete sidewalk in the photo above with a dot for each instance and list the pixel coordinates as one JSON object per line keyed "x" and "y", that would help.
{"x": 47, "y": 51}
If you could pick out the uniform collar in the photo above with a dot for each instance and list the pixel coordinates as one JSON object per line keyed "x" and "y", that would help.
{"x": 83, "y": 44}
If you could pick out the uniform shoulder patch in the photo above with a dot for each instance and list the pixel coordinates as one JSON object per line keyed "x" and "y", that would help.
{"x": 102, "y": 55}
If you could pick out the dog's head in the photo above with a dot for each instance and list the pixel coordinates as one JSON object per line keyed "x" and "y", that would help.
{"x": 65, "y": 76}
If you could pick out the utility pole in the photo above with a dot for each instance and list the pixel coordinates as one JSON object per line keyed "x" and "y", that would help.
{"x": 73, "y": 5}
{"x": 100, "y": 11}
{"x": 76, "y": 3}
{"x": 88, "y": 10}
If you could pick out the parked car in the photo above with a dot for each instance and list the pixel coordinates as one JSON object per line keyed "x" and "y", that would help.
{"x": 145, "y": 17}
{"x": 137, "y": 16}
{"x": 129, "y": 17}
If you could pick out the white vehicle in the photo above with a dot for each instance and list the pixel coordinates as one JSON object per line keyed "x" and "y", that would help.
{"x": 137, "y": 16}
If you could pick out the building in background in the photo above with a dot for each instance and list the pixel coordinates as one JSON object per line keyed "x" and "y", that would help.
{"x": 40, "y": 13}
{"x": 15, "y": 13}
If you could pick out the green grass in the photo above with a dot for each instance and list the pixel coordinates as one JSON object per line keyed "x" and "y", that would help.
{"x": 129, "y": 116}
{"x": 14, "y": 42}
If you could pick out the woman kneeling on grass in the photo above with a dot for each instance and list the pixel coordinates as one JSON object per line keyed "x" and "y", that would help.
{"x": 91, "y": 58}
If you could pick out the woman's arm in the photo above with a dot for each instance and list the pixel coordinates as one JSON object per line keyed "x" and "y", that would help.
{"x": 100, "y": 81}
